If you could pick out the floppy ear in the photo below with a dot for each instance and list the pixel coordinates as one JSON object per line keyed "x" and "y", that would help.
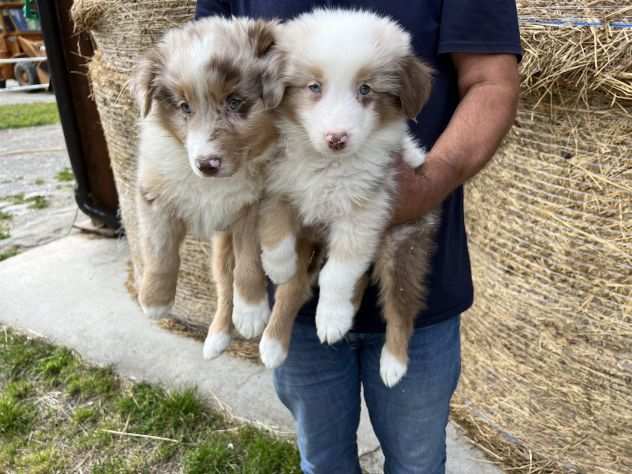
{"x": 262, "y": 36}
{"x": 143, "y": 84}
{"x": 273, "y": 79}
{"x": 416, "y": 82}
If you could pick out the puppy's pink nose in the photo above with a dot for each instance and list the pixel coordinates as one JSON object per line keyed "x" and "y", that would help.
{"x": 210, "y": 165}
{"x": 337, "y": 141}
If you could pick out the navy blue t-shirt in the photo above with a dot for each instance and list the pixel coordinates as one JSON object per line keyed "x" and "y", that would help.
{"x": 438, "y": 27}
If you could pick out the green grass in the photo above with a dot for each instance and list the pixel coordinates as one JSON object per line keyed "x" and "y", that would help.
{"x": 34, "y": 202}
{"x": 15, "y": 416}
{"x": 40, "y": 181}
{"x": 98, "y": 382}
{"x": 8, "y": 253}
{"x": 4, "y": 227}
{"x": 38, "y": 202}
{"x": 84, "y": 414}
{"x": 65, "y": 175}
{"x": 57, "y": 413}
{"x": 28, "y": 115}
{"x": 152, "y": 410}
{"x": 18, "y": 390}
{"x": 43, "y": 461}
{"x": 247, "y": 451}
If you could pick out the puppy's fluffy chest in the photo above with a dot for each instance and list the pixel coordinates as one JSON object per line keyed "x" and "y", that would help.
{"x": 217, "y": 207}
{"x": 206, "y": 205}
{"x": 325, "y": 189}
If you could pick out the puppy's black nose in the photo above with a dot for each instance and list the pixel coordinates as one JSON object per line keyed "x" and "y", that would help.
{"x": 337, "y": 141}
{"x": 209, "y": 166}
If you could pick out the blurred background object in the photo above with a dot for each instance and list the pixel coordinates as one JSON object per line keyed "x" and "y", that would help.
{"x": 22, "y": 50}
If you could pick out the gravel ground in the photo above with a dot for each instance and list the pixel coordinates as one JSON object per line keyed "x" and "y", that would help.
{"x": 7, "y": 98}
{"x": 30, "y": 159}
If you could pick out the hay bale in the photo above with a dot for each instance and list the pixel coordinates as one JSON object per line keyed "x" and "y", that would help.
{"x": 122, "y": 31}
{"x": 577, "y": 50}
{"x": 86, "y": 14}
{"x": 547, "y": 361}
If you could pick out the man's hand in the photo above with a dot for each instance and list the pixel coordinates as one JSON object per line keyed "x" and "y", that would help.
{"x": 489, "y": 86}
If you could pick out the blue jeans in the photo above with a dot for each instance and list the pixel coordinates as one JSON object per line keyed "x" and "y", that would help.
{"x": 320, "y": 385}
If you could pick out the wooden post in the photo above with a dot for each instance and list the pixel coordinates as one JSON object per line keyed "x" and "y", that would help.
{"x": 68, "y": 55}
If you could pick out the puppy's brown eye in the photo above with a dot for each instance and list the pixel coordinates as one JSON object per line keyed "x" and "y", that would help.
{"x": 364, "y": 89}
{"x": 234, "y": 103}
{"x": 314, "y": 87}
{"x": 185, "y": 108}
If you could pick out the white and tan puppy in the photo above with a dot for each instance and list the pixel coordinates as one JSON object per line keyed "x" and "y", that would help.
{"x": 205, "y": 93}
{"x": 353, "y": 81}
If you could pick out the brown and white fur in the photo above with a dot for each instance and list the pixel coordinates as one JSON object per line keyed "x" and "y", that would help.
{"x": 206, "y": 92}
{"x": 353, "y": 81}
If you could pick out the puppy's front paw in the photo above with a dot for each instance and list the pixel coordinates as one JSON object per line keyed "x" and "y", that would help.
{"x": 391, "y": 368}
{"x": 413, "y": 154}
{"x": 215, "y": 344}
{"x": 250, "y": 319}
{"x": 280, "y": 262}
{"x": 156, "y": 312}
{"x": 156, "y": 294}
{"x": 272, "y": 352}
{"x": 334, "y": 319}
{"x": 414, "y": 157}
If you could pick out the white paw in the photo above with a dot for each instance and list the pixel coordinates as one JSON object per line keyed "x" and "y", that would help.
{"x": 215, "y": 344}
{"x": 280, "y": 262}
{"x": 415, "y": 157}
{"x": 334, "y": 319}
{"x": 391, "y": 369}
{"x": 156, "y": 312}
{"x": 250, "y": 319}
{"x": 272, "y": 352}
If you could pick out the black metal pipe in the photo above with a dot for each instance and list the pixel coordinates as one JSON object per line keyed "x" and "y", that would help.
{"x": 57, "y": 67}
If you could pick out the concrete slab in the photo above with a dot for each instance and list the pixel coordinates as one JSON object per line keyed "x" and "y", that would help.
{"x": 71, "y": 291}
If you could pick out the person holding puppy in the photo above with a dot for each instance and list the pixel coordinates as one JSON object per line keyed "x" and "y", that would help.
{"x": 474, "y": 48}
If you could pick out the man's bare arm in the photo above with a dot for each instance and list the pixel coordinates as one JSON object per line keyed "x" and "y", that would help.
{"x": 489, "y": 86}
